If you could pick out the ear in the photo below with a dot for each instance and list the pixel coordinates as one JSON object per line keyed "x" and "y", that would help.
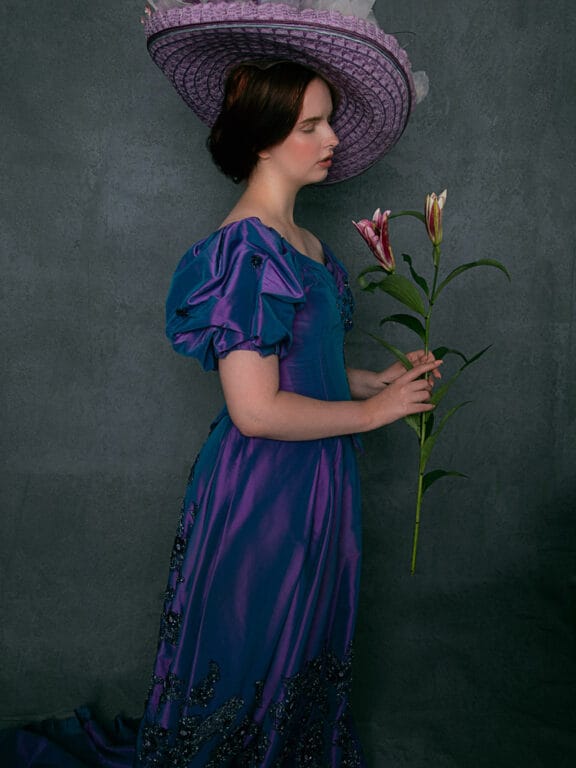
{"x": 264, "y": 155}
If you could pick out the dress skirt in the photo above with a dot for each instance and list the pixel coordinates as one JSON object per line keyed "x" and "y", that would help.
{"x": 253, "y": 667}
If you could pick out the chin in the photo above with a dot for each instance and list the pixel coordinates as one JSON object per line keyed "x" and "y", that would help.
{"x": 319, "y": 175}
{"x": 315, "y": 176}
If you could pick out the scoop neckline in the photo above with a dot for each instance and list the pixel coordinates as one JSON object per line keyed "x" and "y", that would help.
{"x": 323, "y": 265}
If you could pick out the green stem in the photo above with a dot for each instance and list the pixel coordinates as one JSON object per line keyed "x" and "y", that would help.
{"x": 417, "y": 522}
{"x": 416, "y": 214}
{"x": 424, "y": 417}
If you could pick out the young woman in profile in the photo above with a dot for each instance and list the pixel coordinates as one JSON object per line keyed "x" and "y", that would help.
{"x": 254, "y": 656}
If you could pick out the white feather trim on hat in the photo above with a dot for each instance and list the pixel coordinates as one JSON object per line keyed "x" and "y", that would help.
{"x": 421, "y": 85}
{"x": 362, "y": 9}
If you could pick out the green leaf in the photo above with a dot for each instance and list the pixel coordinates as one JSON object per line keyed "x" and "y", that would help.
{"x": 413, "y": 421}
{"x": 409, "y": 321}
{"x": 465, "y": 267}
{"x": 441, "y": 392}
{"x": 404, "y": 291}
{"x": 415, "y": 276}
{"x": 372, "y": 268}
{"x": 475, "y": 357}
{"x": 438, "y": 394}
{"x": 437, "y": 474}
{"x": 430, "y": 441}
{"x": 370, "y": 285}
{"x": 396, "y": 352}
{"x": 441, "y": 352}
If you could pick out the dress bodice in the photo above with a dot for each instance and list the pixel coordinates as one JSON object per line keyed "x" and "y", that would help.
{"x": 246, "y": 287}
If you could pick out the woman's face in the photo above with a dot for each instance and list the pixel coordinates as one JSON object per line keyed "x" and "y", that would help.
{"x": 305, "y": 155}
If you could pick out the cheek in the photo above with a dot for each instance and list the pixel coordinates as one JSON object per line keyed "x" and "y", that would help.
{"x": 306, "y": 144}
{"x": 303, "y": 142}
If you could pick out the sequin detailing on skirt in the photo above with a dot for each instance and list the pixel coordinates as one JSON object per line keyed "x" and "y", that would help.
{"x": 311, "y": 716}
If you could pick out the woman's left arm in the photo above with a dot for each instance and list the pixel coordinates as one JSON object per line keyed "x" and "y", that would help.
{"x": 364, "y": 384}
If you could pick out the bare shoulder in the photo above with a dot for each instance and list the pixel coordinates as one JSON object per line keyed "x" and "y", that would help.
{"x": 241, "y": 212}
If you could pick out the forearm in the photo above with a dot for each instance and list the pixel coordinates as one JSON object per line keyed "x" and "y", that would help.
{"x": 289, "y": 416}
{"x": 259, "y": 408}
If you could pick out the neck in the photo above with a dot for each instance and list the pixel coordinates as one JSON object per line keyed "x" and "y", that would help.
{"x": 271, "y": 199}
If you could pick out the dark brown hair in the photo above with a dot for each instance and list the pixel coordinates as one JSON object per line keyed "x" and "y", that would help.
{"x": 262, "y": 102}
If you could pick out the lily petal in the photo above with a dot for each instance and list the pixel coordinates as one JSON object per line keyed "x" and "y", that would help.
{"x": 375, "y": 233}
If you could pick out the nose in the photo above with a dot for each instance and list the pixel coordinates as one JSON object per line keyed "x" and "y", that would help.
{"x": 332, "y": 139}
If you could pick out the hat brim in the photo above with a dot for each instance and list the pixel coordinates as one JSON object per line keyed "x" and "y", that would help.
{"x": 197, "y": 45}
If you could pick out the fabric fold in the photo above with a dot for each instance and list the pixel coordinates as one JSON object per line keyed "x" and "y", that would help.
{"x": 232, "y": 291}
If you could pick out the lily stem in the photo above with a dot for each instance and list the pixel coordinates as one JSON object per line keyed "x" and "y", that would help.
{"x": 424, "y": 417}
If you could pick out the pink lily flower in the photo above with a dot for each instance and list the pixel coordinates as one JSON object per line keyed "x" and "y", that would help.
{"x": 433, "y": 214}
{"x": 375, "y": 233}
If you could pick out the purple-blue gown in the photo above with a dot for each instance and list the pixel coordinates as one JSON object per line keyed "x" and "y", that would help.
{"x": 254, "y": 656}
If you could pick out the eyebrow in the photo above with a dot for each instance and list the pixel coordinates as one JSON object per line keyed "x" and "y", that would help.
{"x": 308, "y": 120}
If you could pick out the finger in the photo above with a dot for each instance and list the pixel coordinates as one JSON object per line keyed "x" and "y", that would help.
{"x": 420, "y": 385}
{"x": 420, "y": 357}
{"x": 422, "y": 368}
{"x": 421, "y": 396}
{"x": 433, "y": 364}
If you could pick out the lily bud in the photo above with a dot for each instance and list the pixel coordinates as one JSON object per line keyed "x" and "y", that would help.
{"x": 434, "y": 206}
{"x": 375, "y": 233}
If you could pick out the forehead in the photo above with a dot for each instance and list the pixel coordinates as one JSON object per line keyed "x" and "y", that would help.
{"x": 317, "y": 100}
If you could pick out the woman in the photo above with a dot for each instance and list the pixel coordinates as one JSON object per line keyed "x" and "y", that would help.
{"x": 253, "y": 664}
{"x": 260, "y": 610}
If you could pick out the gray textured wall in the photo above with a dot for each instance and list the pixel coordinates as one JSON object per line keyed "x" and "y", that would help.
{"x": 104, "y": 185}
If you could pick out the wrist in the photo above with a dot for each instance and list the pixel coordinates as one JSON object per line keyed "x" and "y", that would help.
{"x": 367, "y": 420}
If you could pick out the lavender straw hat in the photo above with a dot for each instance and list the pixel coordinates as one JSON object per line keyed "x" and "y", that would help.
{"x": 196, "y": 44}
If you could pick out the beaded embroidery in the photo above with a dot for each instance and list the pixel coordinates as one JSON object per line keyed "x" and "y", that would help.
{"x": 170, "y": 627}
{"x": 163, "y": 747}
{"x": 203, "y": 693}
{"x": 305, "y": 716}
{"x": 233, "y": 745}
{"x": 350, "y": 753}
{"x": 178, "y": 553}
{"x": 172, "y": 689}
{"x": 311, "y": 696}
{"x": 178, "y": 550}
{"x": 169, "y": 594}
{"x": 345, "y": 303}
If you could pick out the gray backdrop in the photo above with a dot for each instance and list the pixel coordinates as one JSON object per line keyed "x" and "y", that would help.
{"x": 105, "y": 183}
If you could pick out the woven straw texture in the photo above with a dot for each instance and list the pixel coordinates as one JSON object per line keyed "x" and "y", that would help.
{"x": 195, "y": 46}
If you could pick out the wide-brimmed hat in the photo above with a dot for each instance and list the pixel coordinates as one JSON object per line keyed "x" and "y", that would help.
{"x": 197, "y": 43}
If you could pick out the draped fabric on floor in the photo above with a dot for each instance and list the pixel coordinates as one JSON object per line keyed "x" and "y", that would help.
{"x": 78, "y": 741}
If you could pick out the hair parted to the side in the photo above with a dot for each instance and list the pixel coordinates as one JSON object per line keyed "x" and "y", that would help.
{"x": 262, "y": 101}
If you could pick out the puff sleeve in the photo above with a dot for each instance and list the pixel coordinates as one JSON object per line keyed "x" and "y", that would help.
{"x": 237, "y": 289}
